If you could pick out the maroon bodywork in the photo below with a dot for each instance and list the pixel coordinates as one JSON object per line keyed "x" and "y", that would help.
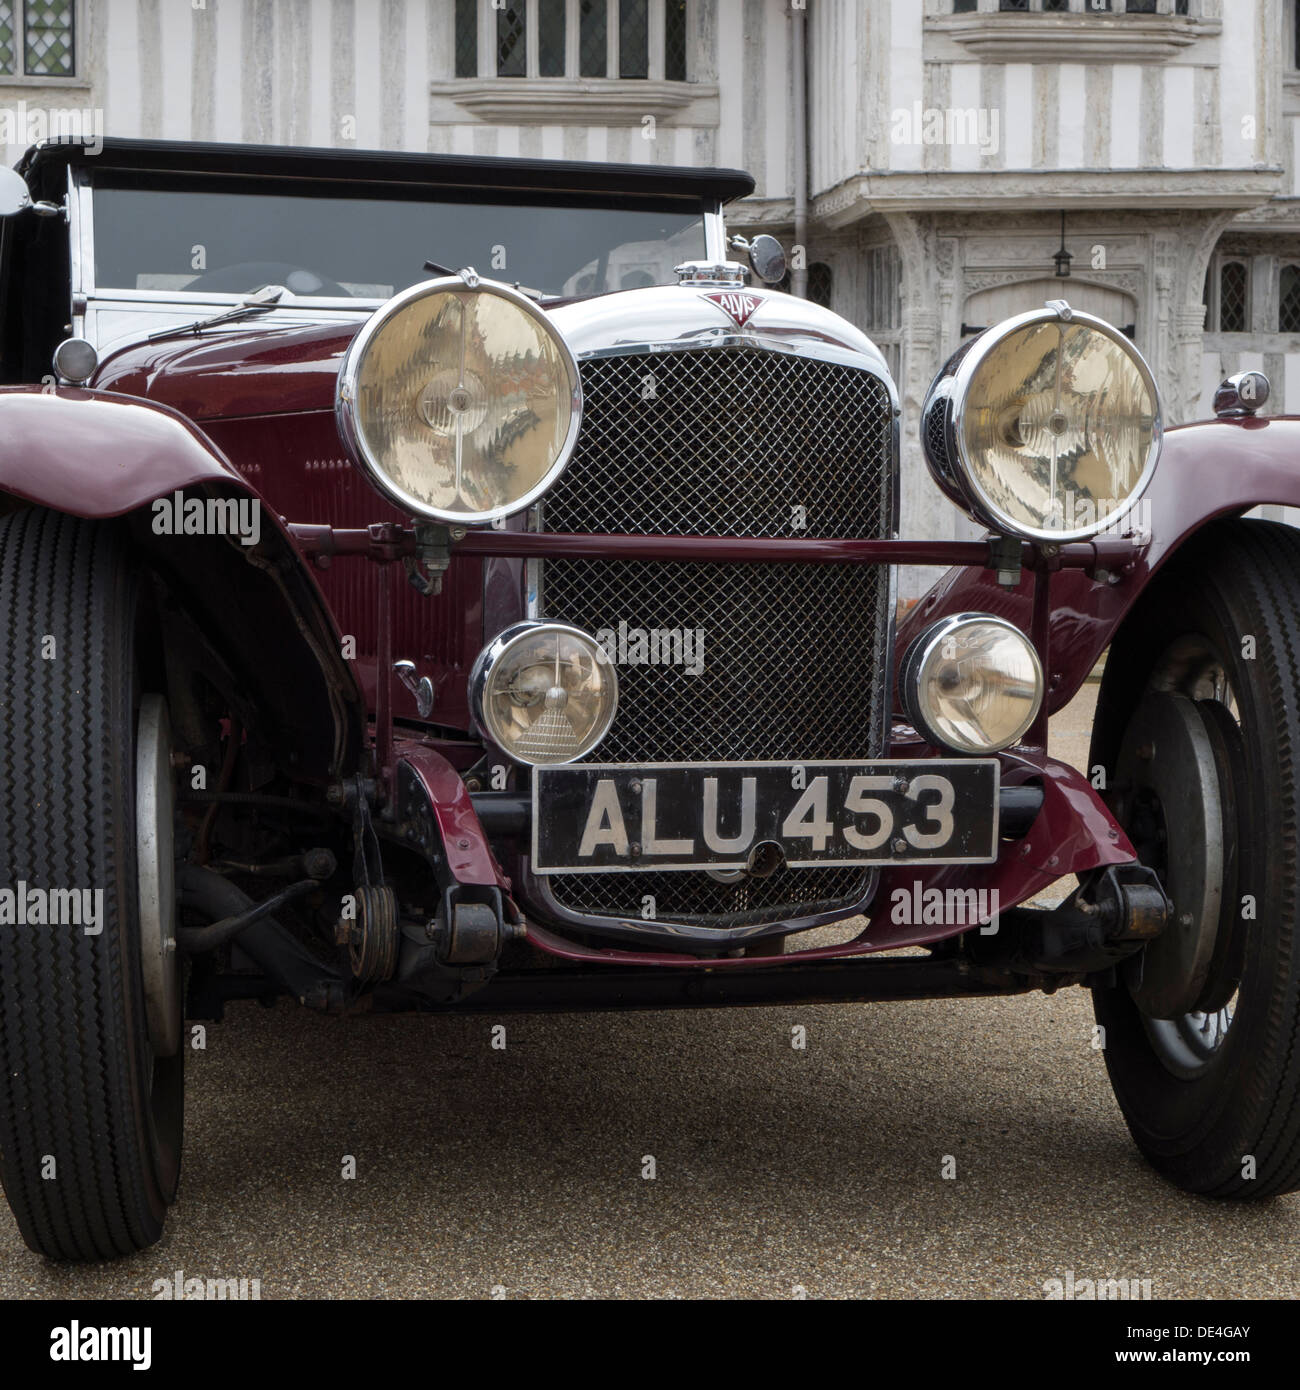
{"x": 265, "y": 399}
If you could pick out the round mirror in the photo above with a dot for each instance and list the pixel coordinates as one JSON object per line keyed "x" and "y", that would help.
{"x": 14, "y": 196}
{"x": 767, "y": 258}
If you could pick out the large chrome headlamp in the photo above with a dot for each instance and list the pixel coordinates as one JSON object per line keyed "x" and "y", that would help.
{"x": 1046, "y": 427}
{"x": 460, "y": 400}
{"x": 544, "y": 692}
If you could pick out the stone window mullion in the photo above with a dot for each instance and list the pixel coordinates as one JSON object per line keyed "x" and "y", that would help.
{"x": 572, "y": 18}
{"x": 1263, "y": 293}
{"x": 487, "y": 41}
{"x": 656, "y": 38}
{"x": 532, "y": 63}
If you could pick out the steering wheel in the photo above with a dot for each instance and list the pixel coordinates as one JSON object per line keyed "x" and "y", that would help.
{"x": 252, "y": 275}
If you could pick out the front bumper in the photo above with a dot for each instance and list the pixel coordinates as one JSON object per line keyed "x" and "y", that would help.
{"x": 1053, "y": 824}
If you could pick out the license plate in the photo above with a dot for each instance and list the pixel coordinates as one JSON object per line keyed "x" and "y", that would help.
{"x": 590, "y": 818}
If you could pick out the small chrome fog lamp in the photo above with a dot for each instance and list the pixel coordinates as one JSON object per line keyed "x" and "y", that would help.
{"x": 544, "y": 692}
{"x": 971, "y": 683}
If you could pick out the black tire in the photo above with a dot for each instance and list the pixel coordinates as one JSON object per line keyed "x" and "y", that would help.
{"x": 90, "y": 1120}
{"x": 1201, "y": 1125}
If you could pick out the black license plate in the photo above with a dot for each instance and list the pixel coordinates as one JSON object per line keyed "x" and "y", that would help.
{"x": 590, "y": 818}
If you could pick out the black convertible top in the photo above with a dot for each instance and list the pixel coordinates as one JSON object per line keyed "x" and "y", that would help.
{"x": 656, "y": 181}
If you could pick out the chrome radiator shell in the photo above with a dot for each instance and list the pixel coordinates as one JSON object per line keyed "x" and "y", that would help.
{"x": 740, "y": 435}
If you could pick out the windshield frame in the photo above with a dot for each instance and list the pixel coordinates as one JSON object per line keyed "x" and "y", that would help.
{"x": 133, "y": 313}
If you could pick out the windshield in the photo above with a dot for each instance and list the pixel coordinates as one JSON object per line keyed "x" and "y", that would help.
{"x": 197, "y": 241}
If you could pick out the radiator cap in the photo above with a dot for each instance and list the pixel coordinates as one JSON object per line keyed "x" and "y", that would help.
{"x": 715, "y": 274}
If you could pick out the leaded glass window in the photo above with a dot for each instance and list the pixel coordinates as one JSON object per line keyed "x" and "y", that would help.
{"x": 1233, "y": 297}
{"x": 48, "y": 38}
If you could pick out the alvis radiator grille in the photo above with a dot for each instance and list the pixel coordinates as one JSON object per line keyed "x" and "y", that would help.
{"x": 790, "y": 659}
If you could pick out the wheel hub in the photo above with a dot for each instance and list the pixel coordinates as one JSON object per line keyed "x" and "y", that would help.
{"x": 1168, "y": 781}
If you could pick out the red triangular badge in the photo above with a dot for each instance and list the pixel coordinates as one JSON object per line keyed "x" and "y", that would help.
{"x": 738, "y": 305}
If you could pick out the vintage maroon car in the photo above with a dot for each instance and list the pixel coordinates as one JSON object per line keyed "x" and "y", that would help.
{"x": 443, "y": 584}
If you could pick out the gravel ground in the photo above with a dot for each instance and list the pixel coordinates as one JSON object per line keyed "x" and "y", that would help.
{"x": 777, "y": 1172}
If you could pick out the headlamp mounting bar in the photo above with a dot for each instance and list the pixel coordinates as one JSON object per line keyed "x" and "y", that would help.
{"x": 389, "y": 541}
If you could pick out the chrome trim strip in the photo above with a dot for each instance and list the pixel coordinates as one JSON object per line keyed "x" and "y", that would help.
{"x": 533, "y": 587}
{"x": 80, "y": 254}
{"x": 715, "y": 233}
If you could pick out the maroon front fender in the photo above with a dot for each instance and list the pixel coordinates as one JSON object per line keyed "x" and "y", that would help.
{"x": 1215, "y": 469}
{"x": 92, "y": 454}
{"x": 100, "y": 456}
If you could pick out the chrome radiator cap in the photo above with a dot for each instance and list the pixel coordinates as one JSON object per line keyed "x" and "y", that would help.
{"x": 714, "y": 274}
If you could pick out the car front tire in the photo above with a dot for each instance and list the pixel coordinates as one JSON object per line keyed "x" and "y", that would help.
{"x": 1211, "y": 1094}
{"x": 90, "y": 1107}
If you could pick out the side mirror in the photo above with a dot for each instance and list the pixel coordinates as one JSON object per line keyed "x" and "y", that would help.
{"x": 767, "y": 259}
{"x": 766, "y": 256}
{"x": 14, "y": 194}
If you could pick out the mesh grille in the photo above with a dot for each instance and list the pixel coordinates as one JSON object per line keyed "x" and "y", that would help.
{"x": 935, "y": 425}
{"x": 731, "y": 442}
